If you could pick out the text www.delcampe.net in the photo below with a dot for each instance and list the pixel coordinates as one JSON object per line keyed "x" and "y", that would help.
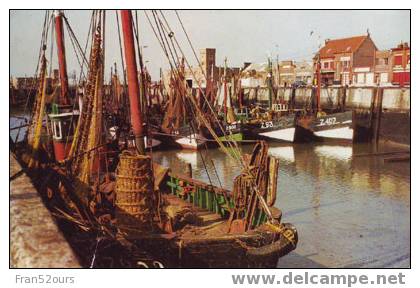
{"x": 317, "y": 278}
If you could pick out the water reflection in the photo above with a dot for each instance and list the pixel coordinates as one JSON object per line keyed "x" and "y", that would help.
{"x": 286, "y": 153}
{"x": 341, "y": 153}
{"x": 189, "y": 157}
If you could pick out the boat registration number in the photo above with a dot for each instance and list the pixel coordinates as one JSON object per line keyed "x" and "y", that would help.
{"x": 327, "y": 121}
{"x": 267, "y": 124}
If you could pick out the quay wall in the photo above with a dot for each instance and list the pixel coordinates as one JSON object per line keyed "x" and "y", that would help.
{"x": 395, "y": 98}
{"x": 35, "y": 239}
{"x": 388, "y": 108}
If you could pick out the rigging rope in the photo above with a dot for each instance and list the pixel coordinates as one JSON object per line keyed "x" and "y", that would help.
{"x": 237, "y": 156}
{"x": 35, "y": 83}
{"x": 233, "y": 145}
{"x": 87, "y": 132}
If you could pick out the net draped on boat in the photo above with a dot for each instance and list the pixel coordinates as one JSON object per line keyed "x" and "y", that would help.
{"x": 88, "y": 131}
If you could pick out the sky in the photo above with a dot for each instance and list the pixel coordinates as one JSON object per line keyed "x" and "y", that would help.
{"x": 239, "y": 35}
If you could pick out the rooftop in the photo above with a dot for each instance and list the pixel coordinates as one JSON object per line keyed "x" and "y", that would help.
{"x": 344, "y": 45}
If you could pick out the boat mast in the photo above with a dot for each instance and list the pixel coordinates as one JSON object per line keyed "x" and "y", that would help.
{"x": 270, "y": 84}
{"x": 133, "y": 84}
{"x": 225, "y": 91}
{"x": 61, "y": 50}
{"x": 318, "y": 84}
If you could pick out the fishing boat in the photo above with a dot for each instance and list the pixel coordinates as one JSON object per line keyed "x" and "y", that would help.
{"x": 63, "y": 116}
{"x": 229, "y": 122}
{"x": 336, "y": 127}
{"x": 179, "y": 127}
{"x": 278, "y": 122}
{"x": 137, "y": 205}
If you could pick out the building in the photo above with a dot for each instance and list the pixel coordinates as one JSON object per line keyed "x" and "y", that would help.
{"x": 29, "y": 83}
{"x": 286, "y": 73}
{"x": 254, "y": 75}
{"x": 304, "y": 72}
{"x": 208, "y": 65}
{"x": 347, "y": 61}
{"x": 208, "y": 60}
{"x": 401, "y": 64}
{"x": 383, "y": 71}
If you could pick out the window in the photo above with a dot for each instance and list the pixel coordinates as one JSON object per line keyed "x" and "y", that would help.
{"x": 398, "y": 60}
{"x": 190, "y": 83}
{"x": 326, "y": 65}
{"x": 381, "y": 61}
{"x": 56, "y": 127}
{"x": 346, "y": 64}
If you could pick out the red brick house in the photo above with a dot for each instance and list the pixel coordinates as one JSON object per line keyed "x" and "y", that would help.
{"x": 342, "y": 59}
{"x": 401, "y": 64}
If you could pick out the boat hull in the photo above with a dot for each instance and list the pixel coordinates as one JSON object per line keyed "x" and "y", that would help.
{"x": 187, "y": 138}
{"x": 283, "y": 129}
{"x": 337, "y": 127}
{"x": 261, "y": 248}
{"x": 192, "y": 141}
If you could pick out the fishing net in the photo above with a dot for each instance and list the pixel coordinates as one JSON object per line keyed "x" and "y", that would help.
{"x": 88, "y": 131}
{"x": 35, "y": 129}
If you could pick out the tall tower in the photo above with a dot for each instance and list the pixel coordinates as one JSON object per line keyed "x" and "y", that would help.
{"x": 208, "y": 60}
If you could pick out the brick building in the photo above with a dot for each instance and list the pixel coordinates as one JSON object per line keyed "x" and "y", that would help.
{"x": 401, "y": 64}
{"x": 208, "y": 63}
{"x": 348, "y": 60}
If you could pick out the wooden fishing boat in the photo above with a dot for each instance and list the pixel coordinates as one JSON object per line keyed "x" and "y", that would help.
{"x": 336, "y": 127}
{"x": 277, "y": 122}
{"x": 283, "y": 128}
{"x": 260, "y": 246}
{"x": 179, "y": 221}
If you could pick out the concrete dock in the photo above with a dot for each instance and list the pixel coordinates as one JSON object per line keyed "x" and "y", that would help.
{"x": 35, "y": 239}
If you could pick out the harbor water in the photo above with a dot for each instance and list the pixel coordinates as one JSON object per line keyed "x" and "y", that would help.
{"x": 350, "y": 210}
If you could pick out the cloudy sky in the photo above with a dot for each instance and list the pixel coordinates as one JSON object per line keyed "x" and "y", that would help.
{"x": 241, "y": 36}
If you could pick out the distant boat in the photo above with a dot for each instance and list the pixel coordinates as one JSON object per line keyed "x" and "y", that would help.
{"x": 328, "y": 127}
{"x": 331, "y": 127}
{"x": 282, "y": 129}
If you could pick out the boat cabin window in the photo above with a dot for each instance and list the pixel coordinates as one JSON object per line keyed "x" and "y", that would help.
{"x": 67, "y": 128}
{"x": 280, "y": 107}
{"x": 56, "y": 128}
{"x": 189, "y": 83}
{"x": 242, "y": 111}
